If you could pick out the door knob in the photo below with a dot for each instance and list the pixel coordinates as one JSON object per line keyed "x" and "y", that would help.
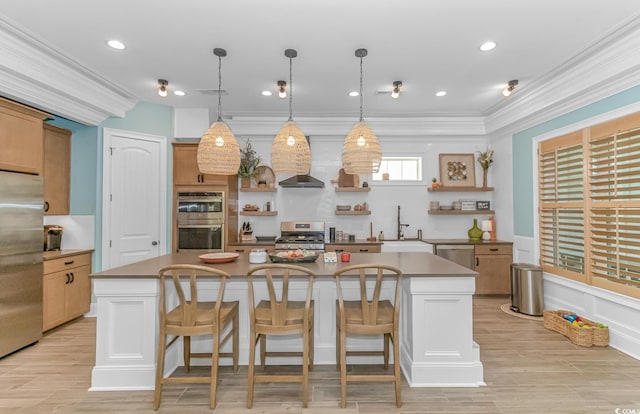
{"x": 154, "y": 243}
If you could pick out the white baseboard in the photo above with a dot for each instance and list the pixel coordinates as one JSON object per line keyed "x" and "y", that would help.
{"x": 620, "y": 313}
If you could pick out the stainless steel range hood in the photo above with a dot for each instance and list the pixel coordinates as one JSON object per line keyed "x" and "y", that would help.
{"x": 301, "y": 181}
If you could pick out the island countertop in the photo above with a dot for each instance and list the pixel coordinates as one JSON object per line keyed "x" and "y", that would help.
{"x": 411, "y": 264}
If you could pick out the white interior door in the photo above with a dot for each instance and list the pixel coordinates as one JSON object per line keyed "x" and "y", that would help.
{"x": 134, "y": 215}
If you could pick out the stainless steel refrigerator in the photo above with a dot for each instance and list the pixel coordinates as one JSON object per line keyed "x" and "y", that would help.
{"x": 21, "y": 247}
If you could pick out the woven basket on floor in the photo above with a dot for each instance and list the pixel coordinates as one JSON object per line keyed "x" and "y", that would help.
{"x": 593, "y": 335}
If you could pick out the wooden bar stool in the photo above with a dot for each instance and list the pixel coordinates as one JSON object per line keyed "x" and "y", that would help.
{"x": 279, "y": 316}
{"x": 192, "y": 318}
{"x": 368, "y": 316}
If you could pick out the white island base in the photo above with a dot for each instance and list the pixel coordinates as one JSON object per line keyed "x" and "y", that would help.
{"x": 436, "y": 322}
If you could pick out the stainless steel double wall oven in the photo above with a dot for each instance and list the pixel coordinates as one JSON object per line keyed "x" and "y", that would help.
{"x": 201, "y": 220}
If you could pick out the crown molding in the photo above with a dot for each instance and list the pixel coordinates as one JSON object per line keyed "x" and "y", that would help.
{"x": 35, "y": 74}
{"x": 381, "y": 126}
{"x": 609, "y": 66}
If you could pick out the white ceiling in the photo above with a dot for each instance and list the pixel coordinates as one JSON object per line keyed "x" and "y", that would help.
{"x": 429, "y": 45}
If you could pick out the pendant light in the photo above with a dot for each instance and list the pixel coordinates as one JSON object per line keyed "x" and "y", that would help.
{"x": 290, "y": 152}
{"x": 361, "y": 153}
{"x": 218, "y": 151}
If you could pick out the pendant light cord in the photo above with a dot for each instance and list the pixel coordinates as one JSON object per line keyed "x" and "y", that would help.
{"x": 361, "y": 97}
{"x": 219, "y": 88}
{"x": 290, "y": 89}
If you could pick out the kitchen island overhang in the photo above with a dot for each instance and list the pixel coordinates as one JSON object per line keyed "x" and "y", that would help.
{"x": 436, "y": 320}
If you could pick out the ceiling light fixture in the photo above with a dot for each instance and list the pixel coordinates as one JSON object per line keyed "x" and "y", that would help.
{"x": 218, "y": 150}
{"x": 162, "y": 87}
{"x": 282, "y": 89}
{"x": 396, "y": 89}
{"x": 510, "y": 87}
{"x": 441, "y": 93}
{"x": 290, "y": 152}
{"x": 179, "y": 93}
{"x": 266, "y": 93}
{"x": 487, "y": 46}
{"x": 116, "y": 44}
{"x": 361, "y": 153}
{"x": 354, "y": 93}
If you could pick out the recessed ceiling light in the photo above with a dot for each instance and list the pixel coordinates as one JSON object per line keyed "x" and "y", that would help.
{"x": 487, "y": 46}
{"x": 354, "y": 93}
{"x": 441, "y": 93}
{"x": 116, "y": 44}
{"x": 179, "y": 93}
{"x": 266, "y": 93}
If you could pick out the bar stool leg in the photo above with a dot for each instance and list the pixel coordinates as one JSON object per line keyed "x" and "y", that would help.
{"x": 214, "y": 368}
{"x": 343, "y": 369}
{"x": 159, "y": 370}
{"x": 386, "y": 339}
{"x": 396, "y": 367}
{"x": 236, "y": 341}
{"x": 251, "y": 368}
{"x": 186, "y": 352}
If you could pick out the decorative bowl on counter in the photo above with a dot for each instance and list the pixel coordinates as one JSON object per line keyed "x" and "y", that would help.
{"x": 303, "y": 259}
{"x": 213, "y": 258}
{"x": 343, "y": 208}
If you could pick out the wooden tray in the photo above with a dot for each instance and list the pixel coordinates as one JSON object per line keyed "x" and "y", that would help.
{"x": 305, "y": 259}
{"x": 213, "y": 258}
{"x": 266, "y": 174}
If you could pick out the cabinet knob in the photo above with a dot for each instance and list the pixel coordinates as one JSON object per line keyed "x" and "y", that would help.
{"x": 46, "y": 206}
{"x": 154, "y": 243}
{"x": 68, "y": 279}
{"x": 68, "y": 263}
{"x": 493, "y": 249}
{"x": 477, "y": 261}
{"x": 72, "y": 278}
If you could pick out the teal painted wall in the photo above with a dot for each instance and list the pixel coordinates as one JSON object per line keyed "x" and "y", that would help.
{"x": 84, "y": 153}
{"x": 87, "y": 153}
{"x": 523, "y": 157}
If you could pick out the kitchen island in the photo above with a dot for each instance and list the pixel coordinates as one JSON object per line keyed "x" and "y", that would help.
{"x": 436, "y": 320}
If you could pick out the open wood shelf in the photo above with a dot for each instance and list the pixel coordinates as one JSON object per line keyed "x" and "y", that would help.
{"x": 258, "y": 213}
{"x": 460, "y": 212}
{"x": 353, "y": 189}
{"x": 458, "y": 189}
{"x": 353, "y": 213}
{"x": 258, "y": 190}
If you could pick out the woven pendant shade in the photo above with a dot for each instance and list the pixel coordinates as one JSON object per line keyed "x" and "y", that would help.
{"x": 361, "y": 153}
{"x": 290, "y": 152}
{"x": 218, "y": 151}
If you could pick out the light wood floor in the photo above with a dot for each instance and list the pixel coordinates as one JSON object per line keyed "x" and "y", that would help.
{"x": 528, "y": 369}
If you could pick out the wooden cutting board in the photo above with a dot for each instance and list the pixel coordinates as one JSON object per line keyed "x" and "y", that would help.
{"x": 347, "y": 180}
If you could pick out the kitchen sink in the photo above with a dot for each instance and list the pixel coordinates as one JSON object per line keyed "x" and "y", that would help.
{"x": 391, "y": 246}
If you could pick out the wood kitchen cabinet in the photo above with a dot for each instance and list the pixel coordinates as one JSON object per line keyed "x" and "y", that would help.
{"x": 353, "y": 248}
{"x": 185, "y": 167}
{"x": 66, "y": 289}
{"x": 56, "y": 170}
{"x": 493, "y": 264}
{"x": 20, "y": 138}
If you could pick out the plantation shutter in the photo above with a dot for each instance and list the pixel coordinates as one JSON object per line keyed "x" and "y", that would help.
{"x": 615, "y": 212}
{"x": 561, "y": 192}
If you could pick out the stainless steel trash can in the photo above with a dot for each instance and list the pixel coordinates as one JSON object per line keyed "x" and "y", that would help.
{"x": 526, "y": 289}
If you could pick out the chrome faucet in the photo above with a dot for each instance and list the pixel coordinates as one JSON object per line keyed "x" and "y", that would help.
{"x": 401, "y": 227}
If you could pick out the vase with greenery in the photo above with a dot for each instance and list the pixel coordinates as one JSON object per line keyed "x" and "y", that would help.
{"x": 249, "y": 161}
{"x": 485, "y": 159}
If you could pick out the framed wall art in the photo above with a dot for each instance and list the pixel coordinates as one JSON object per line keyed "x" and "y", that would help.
{"x": 457, "y": 170}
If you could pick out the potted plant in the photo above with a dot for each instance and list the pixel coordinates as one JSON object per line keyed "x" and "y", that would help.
{"x": 249, "y": 161}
